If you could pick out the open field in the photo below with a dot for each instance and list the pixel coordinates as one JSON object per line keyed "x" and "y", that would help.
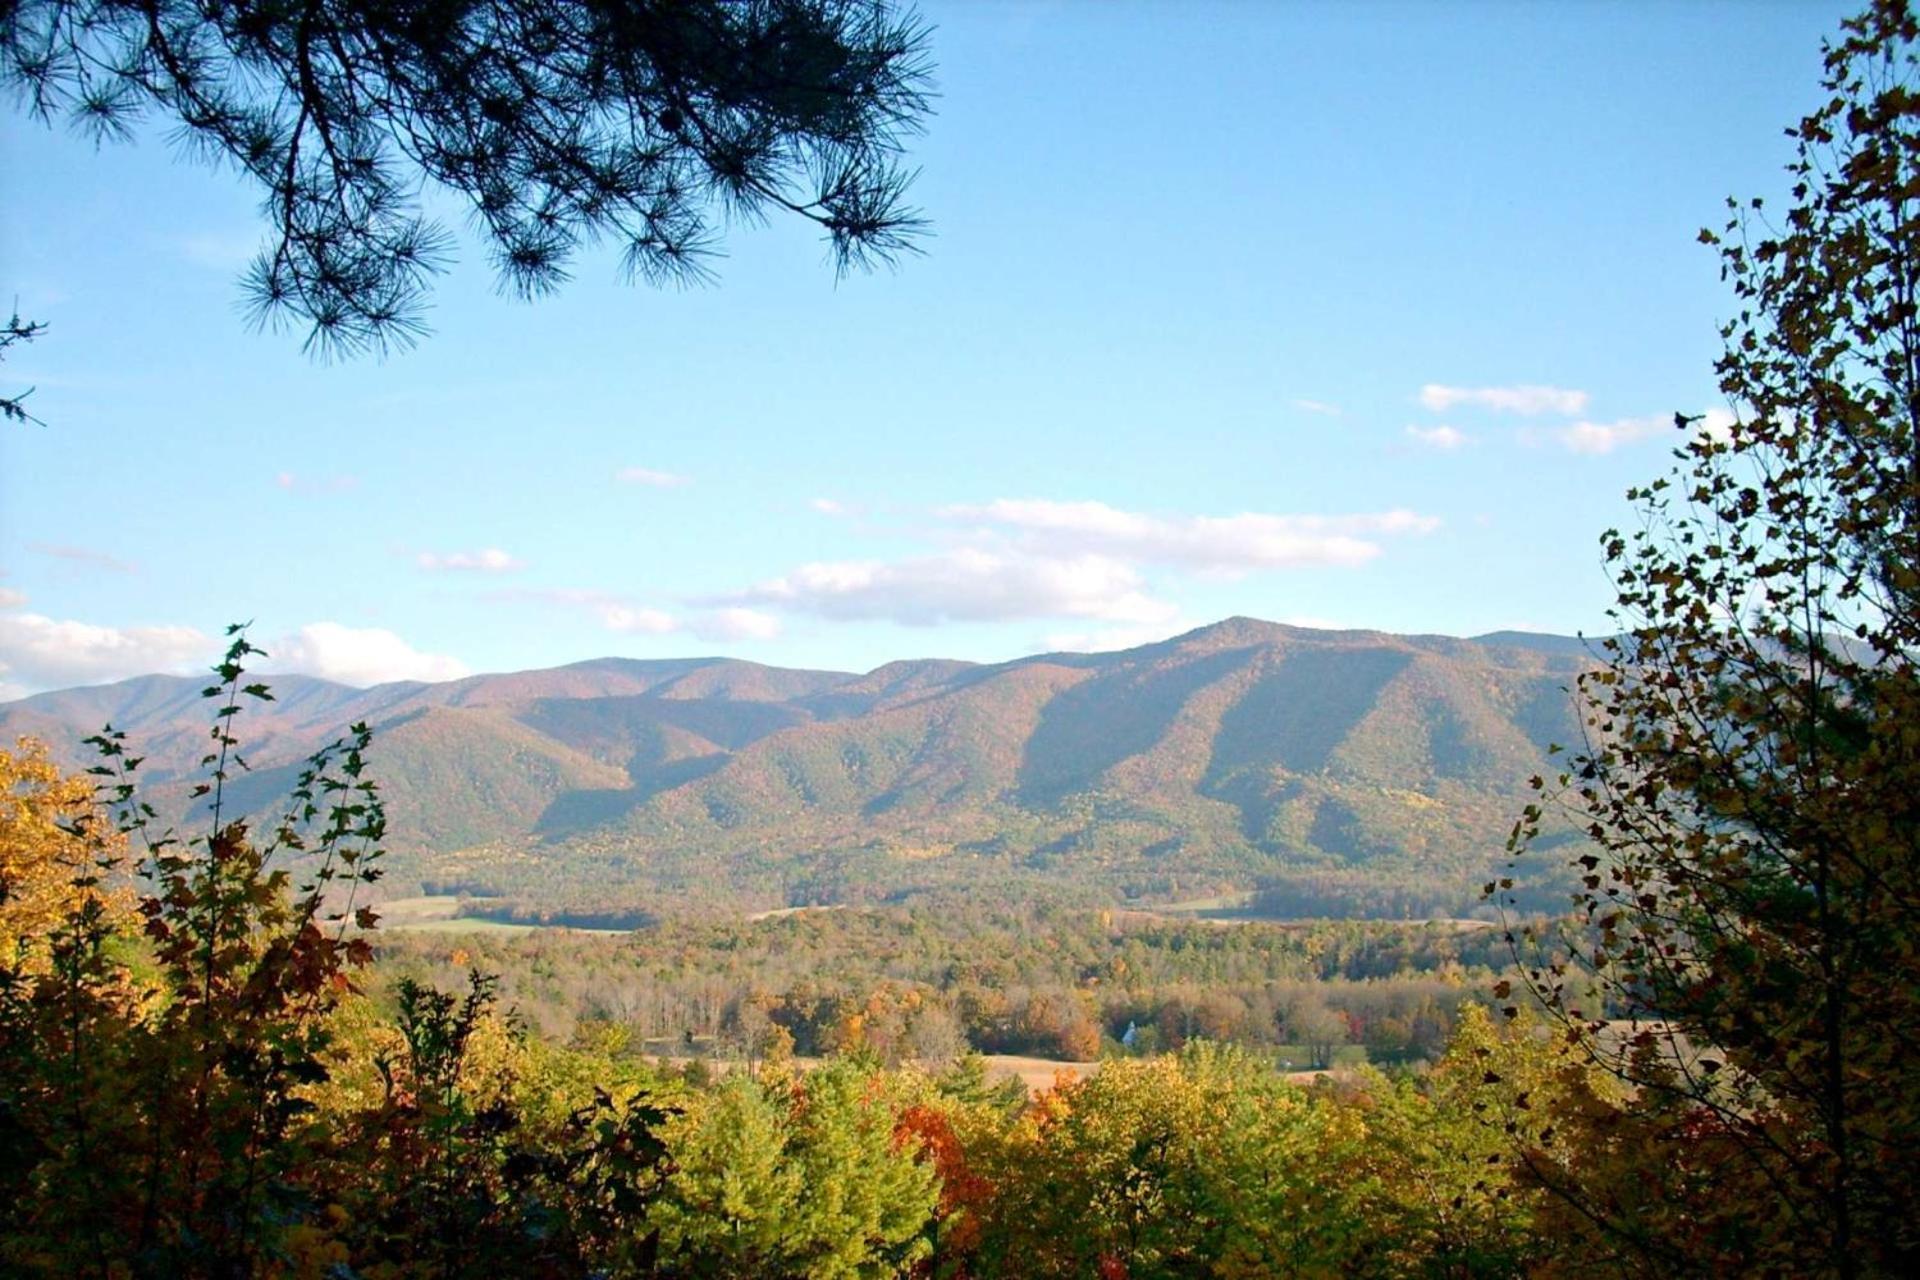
{"x": 440, "y": 913}
{"x": 1239, "y": 908}
{"x": 780, "y": 913}
{"x": 1219, "y": 904}
{"x": 1038, "y": 1074}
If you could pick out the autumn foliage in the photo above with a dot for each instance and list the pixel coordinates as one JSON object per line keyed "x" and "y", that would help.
{"x": 1707, "y": 1069}
{"x": 208, "y": 1076}
{"x": 1750, "y": 777}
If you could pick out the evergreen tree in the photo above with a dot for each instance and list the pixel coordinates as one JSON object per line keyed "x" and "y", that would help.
{"x": 558, "y": 124}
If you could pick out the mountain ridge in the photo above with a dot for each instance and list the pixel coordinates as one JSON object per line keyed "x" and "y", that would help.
{"x": 1354, "y": 765}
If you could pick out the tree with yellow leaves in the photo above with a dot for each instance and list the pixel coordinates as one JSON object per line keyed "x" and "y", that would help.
{"x": 45, "y": 861}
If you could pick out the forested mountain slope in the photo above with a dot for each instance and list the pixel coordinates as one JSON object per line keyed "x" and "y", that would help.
{"x": 1343, "y": 771}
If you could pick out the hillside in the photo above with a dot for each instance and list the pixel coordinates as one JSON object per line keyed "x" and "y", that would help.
{"x": 1337, "y": 771}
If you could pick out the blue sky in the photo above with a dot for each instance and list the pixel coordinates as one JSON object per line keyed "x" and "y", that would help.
{"x": 1360, "y": 315}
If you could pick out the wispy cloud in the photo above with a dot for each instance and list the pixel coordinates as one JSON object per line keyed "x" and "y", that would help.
{"x": 1526, "y": 400}
{"x": 1032, "y": 558}
{"x": 1016, "y": 559}
{"x": 650, "y": 478}
{"x": 1218, "y": 544}
{"x": 1440, "y": 437}
{"x": 841, "y": 508}
{"x": 1321, "y": 407}
{"x": 717, "y": 622}
{"x": 616, "y": 612}
{"x": 652, "y": 622}
{"x": 11, "y": 599}
{"x": 292, "y": 482}
{"x": 724, "y": 625}
{"x": 1599, "y": 438}
{"x": 84, "y": 556}
{"x": 964, "y": 584}
{"x": 1605, "y": 437}
{"x": 734, "y": 624}
{"x": 485, "y": 560}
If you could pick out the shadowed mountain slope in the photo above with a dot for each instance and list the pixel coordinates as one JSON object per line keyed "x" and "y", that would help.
{"x": 1373, "y": 770}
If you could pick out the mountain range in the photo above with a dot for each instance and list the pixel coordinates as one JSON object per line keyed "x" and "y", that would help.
{"x": 1349, "y": 772}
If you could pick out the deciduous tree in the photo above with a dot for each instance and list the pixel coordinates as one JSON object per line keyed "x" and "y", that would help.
{"x": 1752, "y": 774}
{"x": 46, "y": 863}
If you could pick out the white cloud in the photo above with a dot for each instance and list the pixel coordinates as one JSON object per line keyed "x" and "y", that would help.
{"x": 829, "y": 507}
{"x": 1320, "y": 407}
{"x": 1716, "y": 424}
{"x": 651, "y": 478}
{"x": 1595, "y": 439}
{"x": 295, "y": 483}
{"x": 1216, "y": 544}
{"x": 1528, "y": 401}
{"x": 38, "y": 652}
{"x": 1604, "y": 437}
{"x": 357, "y": 656}
{"x": 1108, "y": 639}
{"x": 1038, "y": 558}
{"x": 1598, "y": 438}
{"x": 965, "y": 584}
{"x": 485, "y": 560}
{"x": 84, "y": 555}
{"x": 726, "y": 623}
{"x": 735, "y": 624}
{"x": 11, "y": 599}
{"x": 1442, "y": 437}
{"x": 652, "y": 622}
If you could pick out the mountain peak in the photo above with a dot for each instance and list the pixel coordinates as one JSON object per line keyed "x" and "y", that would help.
{"x": 1329, "y": 762}
{"x": 1243, "y": 630}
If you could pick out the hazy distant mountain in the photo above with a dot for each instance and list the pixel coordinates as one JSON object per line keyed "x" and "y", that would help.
{"x": 1376, "y": 771}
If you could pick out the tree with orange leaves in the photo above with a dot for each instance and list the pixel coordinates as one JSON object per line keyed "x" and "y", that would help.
{"x": 954, "y": 1230}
